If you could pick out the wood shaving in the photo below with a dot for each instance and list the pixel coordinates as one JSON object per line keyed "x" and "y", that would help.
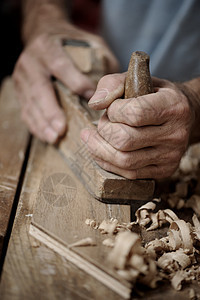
{"x": 144, "y": 216}
{"x": 173, "y": 257}
{"x": 172, "y": 261}
{"x": 177, "y": 280}
{"x": 126, "y": 243}
{"x": 92, "y": 223}
{"x": 185, "y": 234}
{"x": 108, "y": 226}
{"x": 83, "y": 242}
{"x": 188, "y": 164}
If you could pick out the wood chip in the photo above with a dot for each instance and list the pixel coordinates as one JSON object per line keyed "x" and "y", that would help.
{"x": 92, "y": 223}
{"x": 83, "y": 243}
{"x": 185, "y": 234}
{"x": 108, "y": 226}
{"x": 126, "y": 243}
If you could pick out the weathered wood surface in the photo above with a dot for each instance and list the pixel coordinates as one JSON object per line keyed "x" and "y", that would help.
{"x": 61, "y": 208}
{"x": 33, "y": 271}
{"x": 101, "y": 184}
{"x": 13, "y": 143}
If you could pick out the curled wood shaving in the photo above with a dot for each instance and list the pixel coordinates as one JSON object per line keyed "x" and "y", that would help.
{"x": 126, "y": 244}
{"x": 145, "y": 215}
{"x": 156, "y": 247}
{"x": 196, "y": 230}
{"x": 173, "y": 261}
{"x": 175, "y": 241}
{"x": 129, "y": 258}
{"x": 188, "y": 164}
{"x": 83, "y": 242}
{"x": 172, "y": 257}
{"x": 185, "y": 234}
{"x": 92, "y": 223}
{"x": 177, "y": 280}
{"x": 108, "y": 226}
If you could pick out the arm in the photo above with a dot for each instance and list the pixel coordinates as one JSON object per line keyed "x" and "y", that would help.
{"x": 143, "y": 137}
{"x": 45, "y": 25}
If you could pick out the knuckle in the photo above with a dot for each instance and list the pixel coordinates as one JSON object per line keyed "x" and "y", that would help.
{"x": 124, "y": 160}
{"x": 39, "y": 42}
{"x": 123, "y": 144}
{"x": 57, "y": 64}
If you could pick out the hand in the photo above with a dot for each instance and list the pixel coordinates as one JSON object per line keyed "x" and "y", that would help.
{"x": 42, "y": 58}
{"x": 142, "y": 137}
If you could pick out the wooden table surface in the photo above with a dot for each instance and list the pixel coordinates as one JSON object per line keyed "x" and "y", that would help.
{"x": 29, "y": 269}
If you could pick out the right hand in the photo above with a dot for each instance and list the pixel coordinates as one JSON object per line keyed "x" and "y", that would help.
{"x": 42, "y": 58}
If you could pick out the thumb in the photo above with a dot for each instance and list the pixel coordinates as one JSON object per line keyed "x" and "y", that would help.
{"x": 109, "y": 88}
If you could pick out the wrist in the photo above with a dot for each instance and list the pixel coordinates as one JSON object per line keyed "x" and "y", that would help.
{"x": 42, "y": 16}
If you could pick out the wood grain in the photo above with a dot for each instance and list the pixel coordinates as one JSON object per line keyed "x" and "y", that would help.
{"x": 33, "y": 271}
{"x": 13, "y": 143}
{"x": 61, "y": 208}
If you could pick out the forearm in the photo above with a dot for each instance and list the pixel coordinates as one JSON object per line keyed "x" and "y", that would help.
{"x": 192, "y": 91}
{"x": 41, "y": 14}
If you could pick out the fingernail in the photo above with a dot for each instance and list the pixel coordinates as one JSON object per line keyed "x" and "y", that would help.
{"x": 58, "y": 125}
{"x": 99, "y": 96}
{"x": 85, "y": 135}
{"x": 50, "y": 135}
{"x": 88, "y": 94}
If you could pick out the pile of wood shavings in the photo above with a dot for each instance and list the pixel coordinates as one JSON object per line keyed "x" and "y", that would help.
{"x": 172, "y": 257}
{"x": 187, "y": 177}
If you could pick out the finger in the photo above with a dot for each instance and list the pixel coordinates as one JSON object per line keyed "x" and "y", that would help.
{"x": 63, "y": 68}
{"x": 109, "y": 88}
{"x": 45, "y": 100}
{"x": 102, "y": 150}
{"x": 38, "y": 100}
{"x": 152, "y": 109}
{"x": 126, "y": 138}
{"x": 37, "y": 124}
{"x": 152, "y": 171}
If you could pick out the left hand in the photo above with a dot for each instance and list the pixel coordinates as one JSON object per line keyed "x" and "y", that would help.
{"x": 142, "y": 137}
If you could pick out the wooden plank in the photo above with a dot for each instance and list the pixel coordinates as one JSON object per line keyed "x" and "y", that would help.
{"x": 101, "y": 184}
{"x": 33, "y": 271}
{"x": 13, "y": 140}
{"x": 61, "y": 208}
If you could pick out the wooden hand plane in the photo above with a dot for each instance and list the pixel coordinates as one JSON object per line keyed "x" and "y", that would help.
{"x": 103, "y": 185}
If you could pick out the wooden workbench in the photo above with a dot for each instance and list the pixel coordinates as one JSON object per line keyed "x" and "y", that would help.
{"x": 30, "y": 269}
